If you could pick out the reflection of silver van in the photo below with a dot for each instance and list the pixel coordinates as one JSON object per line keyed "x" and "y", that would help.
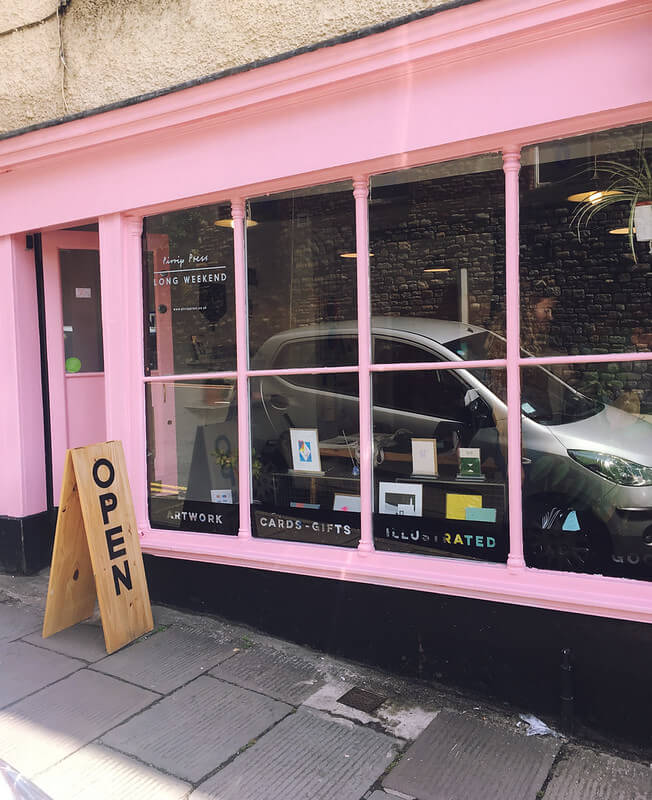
{"x": 587, "y": 467}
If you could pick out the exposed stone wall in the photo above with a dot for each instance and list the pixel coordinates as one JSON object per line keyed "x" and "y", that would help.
{"x": 299, "y": 276}
{"x": 117, "y": 49}
{"x": 452, "y": 223}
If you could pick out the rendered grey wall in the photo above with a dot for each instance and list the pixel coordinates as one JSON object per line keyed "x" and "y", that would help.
{"x": 117, "y": 49}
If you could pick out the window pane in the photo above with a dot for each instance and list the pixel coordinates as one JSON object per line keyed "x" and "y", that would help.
{"x": 437, "y": 238}
{"x": 587, "y": 448}
{"x": 305, "y": 466}
{"x": 192, "y": 456}
{"x": 585, "y": 288}
{"x": 440, "y": 455}
{"x": 302, "y": 272}
{"x": 190, "y": 291}
{"x": 82, "y": 310}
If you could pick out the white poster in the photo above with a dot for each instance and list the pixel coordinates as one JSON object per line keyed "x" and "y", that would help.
{"x": 346, "y": 502}
{"x": 402, "y": 499}
{"x": 222, "y": 496}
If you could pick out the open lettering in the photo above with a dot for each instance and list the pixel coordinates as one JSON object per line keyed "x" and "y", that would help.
{"x": 104, "y": 476}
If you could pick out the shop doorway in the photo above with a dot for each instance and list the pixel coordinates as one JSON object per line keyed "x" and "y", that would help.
{"x": 73, "y": 318}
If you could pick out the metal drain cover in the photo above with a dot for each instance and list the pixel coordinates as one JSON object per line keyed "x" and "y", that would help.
{"x": 362, "y": 699}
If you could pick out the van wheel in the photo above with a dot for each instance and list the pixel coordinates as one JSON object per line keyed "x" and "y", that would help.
{"x": 560, "y": 536}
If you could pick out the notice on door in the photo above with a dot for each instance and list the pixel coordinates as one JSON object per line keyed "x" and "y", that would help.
{"x": 96, "y": 550}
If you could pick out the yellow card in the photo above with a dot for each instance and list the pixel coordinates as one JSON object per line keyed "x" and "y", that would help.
{"x": 456, "y": 504}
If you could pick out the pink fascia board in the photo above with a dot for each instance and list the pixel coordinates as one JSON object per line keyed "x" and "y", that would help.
{"x": 524, "y": 89}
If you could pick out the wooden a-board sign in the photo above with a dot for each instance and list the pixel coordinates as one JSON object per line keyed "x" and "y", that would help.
{"x": 96, "y": 549}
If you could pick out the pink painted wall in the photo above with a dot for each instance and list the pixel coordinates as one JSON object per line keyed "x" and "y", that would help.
{"x": 22, "y": 461}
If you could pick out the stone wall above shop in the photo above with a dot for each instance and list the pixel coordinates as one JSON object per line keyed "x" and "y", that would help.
{"x": 119, "y": 49}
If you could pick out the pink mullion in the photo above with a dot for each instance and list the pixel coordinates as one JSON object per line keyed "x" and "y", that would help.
{"x": 525, "y": 362}
{"x": 197, "y": 376}
{"x": 253, "y": 373}
{"x": 511, "y": 167}
{"x": 360, "y": 193}
{"x": 241, "y": 323}
{"x": 415, "y": 366}
{"x": 136, "y": 443}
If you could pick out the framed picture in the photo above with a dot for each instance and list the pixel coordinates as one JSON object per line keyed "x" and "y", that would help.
{"x": 346, "y": 502}
{"x": 470, "y": 463}
{"x": 222, "y": 496}
{"x": 402, "y": 499}
{"x": 424, "y": 457}
{"x": 305, "y": 450}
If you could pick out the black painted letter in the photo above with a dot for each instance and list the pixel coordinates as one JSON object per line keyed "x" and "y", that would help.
{"x": 108, "y": 502}
{"x": 103, "y": 462}
{"x": 112, "y": 542}
{"x": 120, "y": 578}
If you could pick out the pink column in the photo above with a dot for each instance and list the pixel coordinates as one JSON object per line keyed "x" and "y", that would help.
{"x": 361, "y": 192}
{"x": 22, "y": 466}
{"x": 122, "y": 326}
{"x": 242, "y": 347}
{"x": 511, "y": 166}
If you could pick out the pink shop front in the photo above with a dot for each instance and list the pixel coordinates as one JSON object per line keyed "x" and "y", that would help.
{"x": 378, "y": 313}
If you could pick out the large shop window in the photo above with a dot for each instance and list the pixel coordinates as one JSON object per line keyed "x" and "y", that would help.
{"x": 302, "y": 315}
{"x": 434, "y": 370}
{"x": 586, "y": 286}
{"x": 190, "y": 328}
{"x": 437, "y": 281}
{"x": 586, "y": 290}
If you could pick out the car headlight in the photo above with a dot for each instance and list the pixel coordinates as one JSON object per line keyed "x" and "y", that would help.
{"x": 614, "y": 468}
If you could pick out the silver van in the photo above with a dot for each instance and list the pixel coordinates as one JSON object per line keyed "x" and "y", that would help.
{"x": 587, "y": 466}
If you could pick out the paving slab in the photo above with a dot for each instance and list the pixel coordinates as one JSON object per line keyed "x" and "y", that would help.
{"x": 85, "y": 641}
{"x": 306, "y": 756}
{"x": 45, "y": 727}
{"x": 167, "y": 659}
{"x": 25, "y": 669}
{"x": 460, "y": 756}
{"x": 585, "y": 774}
{"x": 98, "y": 773}
{"x": 282, "y": 675}
{"x": 197, "y": 728}
{"x": 17, "y": 621}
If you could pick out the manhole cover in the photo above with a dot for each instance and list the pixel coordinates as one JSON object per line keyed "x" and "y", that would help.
{"x": 362, "y": 699}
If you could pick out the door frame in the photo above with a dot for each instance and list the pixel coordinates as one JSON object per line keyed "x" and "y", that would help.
{"x": 52, "y": 242}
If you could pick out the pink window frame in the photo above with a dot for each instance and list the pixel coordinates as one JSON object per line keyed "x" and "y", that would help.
{"x": 510, "y": 582}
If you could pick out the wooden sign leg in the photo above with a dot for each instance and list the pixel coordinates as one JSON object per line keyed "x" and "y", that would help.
{"x": 71, "y": 591}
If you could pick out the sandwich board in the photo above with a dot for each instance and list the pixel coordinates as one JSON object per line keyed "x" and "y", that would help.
{"x": 96, "y": 549}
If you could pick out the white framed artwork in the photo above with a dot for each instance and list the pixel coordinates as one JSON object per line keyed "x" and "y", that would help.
{"x": 305, "y": 450}
{"x": 424, "y": 457}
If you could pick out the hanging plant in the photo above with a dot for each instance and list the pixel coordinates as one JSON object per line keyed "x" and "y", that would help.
{"x": 624, "y": 184}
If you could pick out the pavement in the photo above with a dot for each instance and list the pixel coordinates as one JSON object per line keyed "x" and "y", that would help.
{"x": 201, "y": 708}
